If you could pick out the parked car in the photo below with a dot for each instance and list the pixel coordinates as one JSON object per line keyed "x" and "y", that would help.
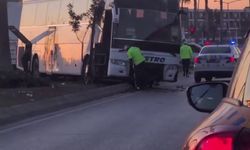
{"x": 215, "y": 61}
{"x": 228, "y": 126}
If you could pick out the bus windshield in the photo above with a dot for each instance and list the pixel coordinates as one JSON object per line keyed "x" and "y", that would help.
{"x": 147, "y": 25}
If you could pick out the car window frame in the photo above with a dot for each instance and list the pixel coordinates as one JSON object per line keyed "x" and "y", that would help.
{"x": 234, "y": 51}
{"x": 246, "y": 100}
{"x": 237, "y": 50}
{"x": 196, "y": 46}
{"x": 235, "y": 78}
{"x": 228, "y": 46}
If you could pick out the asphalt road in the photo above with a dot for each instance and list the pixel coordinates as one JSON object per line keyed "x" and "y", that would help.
{"x": 157, "y": 119}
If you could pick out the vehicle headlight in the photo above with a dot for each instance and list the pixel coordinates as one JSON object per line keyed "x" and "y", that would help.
{"x": 119, "y": 62}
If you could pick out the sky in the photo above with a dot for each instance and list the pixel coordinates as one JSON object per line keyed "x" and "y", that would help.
{"x": 235, "y": 4}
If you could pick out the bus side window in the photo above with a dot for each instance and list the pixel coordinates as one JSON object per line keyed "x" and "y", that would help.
{"x": 53, "y": 12}
{"x": 28, "y": 15}
{"x": 63, "y": 13}
{"x": 40, "y": 18}
{"x": 80, "y": 6}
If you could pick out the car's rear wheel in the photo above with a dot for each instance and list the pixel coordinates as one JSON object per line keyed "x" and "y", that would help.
{"x": 209, "y": 79}
{"x": 197, "y": 78}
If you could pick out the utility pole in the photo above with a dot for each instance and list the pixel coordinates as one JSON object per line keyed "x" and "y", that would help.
{"x": 97, "y": 17}
{"x": 5, "y": 61}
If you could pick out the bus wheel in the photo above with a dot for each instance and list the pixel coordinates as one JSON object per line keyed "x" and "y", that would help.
{"x": 176, "y": 77}
{"x": 197, "y": 78}
{"x": 84, "y": 72}
{"x": 35, "y": 68}
{"x": 209, "y": 78}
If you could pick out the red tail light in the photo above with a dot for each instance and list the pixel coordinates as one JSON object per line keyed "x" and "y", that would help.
{"x": 231, "y": 59}
{"x": 222, "y": 141}
{"x": 196, "y": 60}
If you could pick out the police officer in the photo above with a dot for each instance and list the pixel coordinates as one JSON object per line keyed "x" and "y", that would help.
{"x": 186, "y": 54}
{"x": 137, "y": 61}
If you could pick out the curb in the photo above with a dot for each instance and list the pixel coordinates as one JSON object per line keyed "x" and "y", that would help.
{"x": 23, "y": 111}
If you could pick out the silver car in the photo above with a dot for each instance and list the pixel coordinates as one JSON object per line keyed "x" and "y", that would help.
{"x": 215, "y": 61}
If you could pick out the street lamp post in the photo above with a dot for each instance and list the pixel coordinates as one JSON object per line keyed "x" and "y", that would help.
{"x": 5, "y": 64}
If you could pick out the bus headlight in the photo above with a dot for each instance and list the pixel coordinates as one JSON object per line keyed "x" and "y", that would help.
{"x": 119, "y": 62}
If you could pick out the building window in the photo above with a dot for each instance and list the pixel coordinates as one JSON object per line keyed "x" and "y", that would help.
{"x": 231, "y": 24}
{"x": 201, "y": 15}
{"x": 200, "y": 25}
{"x": 191, "y": 15}
{"x": 231, "y": 15}
{"x": 225, "y": 24}
{"x": 225, "y": 15}
{"x": 236, "y": 24}
{"x": 235, "y": 15}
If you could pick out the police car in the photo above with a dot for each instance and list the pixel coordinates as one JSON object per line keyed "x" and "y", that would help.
{"x": 215, "y": 61}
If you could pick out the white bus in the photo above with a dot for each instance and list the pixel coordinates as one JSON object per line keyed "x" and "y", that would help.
{"x": 55, "y": 47}
{"x": 152, "y": 25}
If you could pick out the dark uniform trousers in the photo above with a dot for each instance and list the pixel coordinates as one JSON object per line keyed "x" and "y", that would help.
{"x": 185, "y": 65}
{"x": 141, "y": 74}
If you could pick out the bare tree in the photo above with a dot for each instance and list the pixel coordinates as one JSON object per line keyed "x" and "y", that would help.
{"x": 206, "y": 5}
{"x": 184, "y": 1}
{"x": 75, "y": 21}
{"x": 94, "y": 15}
{"x": 206, "y": 19}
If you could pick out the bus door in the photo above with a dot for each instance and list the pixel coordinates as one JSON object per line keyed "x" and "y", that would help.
{"x": 50, "y": 48}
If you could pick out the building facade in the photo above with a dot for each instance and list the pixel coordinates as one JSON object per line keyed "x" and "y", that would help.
{"x": 206, "y": 25}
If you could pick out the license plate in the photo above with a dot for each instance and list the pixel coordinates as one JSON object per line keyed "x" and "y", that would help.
{"x": 212, "y": 59}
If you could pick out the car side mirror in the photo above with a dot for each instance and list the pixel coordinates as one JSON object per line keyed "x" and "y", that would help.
{"x": 205, "y": 97}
